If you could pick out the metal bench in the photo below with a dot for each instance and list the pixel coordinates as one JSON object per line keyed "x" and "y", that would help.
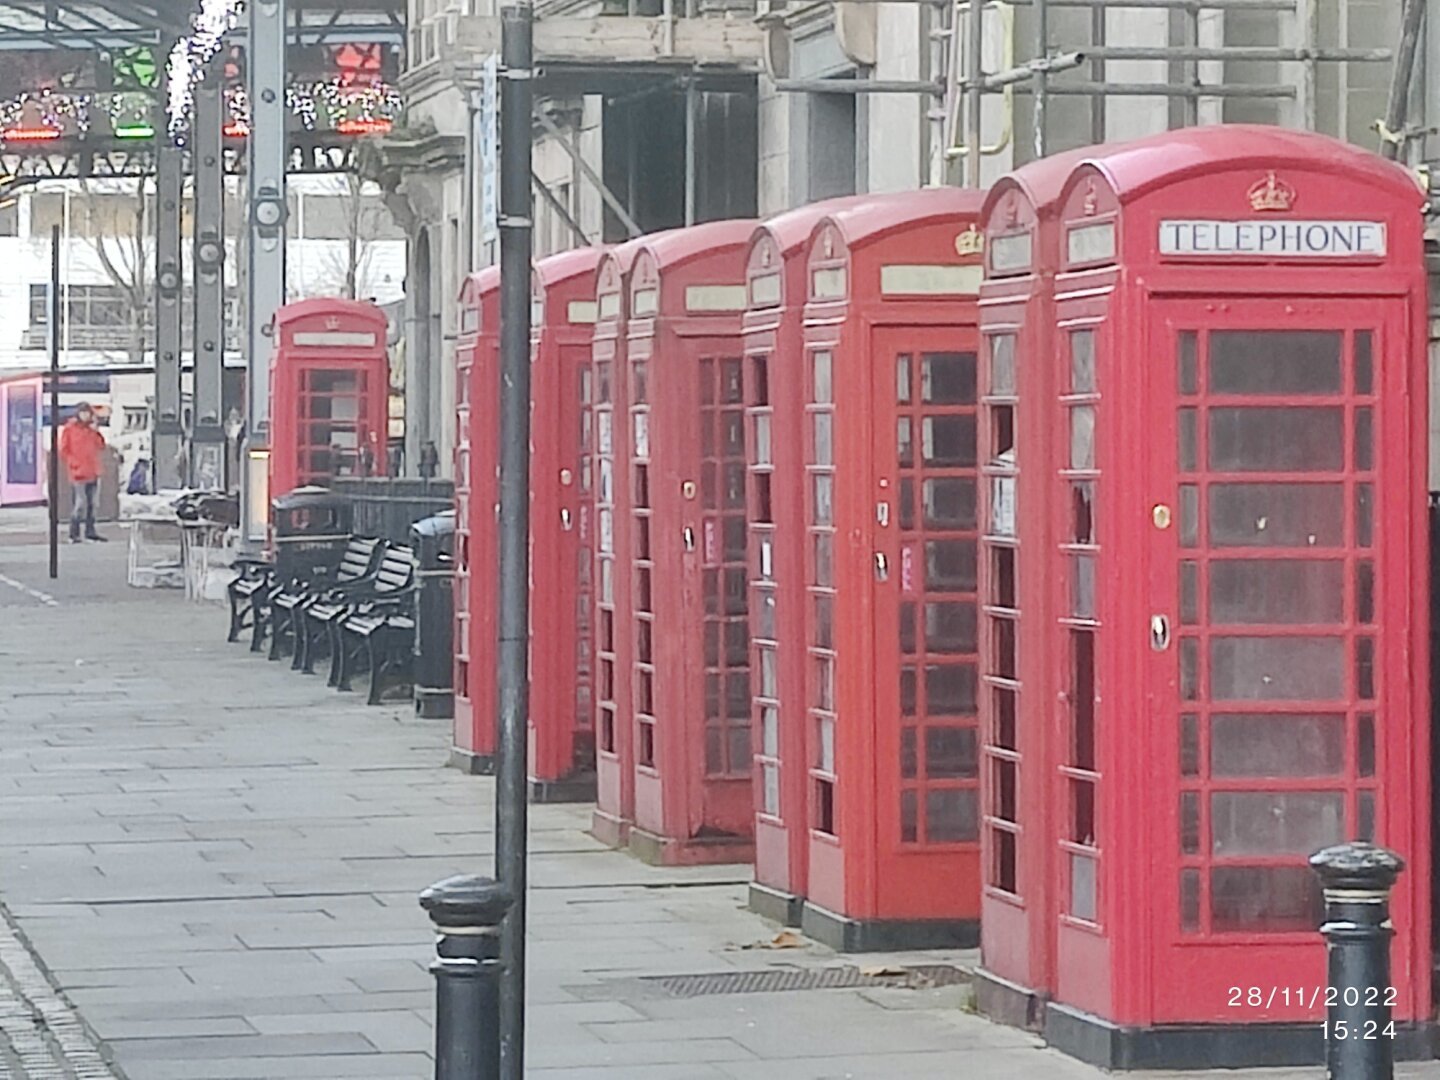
{"x": 358, "y": 563}
{"x": 318, "y": 624}
{"x": 383, "y": 633}
{"x": 249, "y": 594}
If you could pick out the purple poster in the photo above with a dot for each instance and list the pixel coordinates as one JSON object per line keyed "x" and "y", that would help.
{"x": 22, "y": 417}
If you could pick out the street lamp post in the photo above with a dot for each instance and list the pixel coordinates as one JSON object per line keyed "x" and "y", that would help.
{"x": 512, "y": 808}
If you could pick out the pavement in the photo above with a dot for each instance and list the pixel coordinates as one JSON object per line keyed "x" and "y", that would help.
{"x": 209, "y": 867}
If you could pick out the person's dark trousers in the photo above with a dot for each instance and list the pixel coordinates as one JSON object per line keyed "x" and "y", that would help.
{"x": 84, "y": 510}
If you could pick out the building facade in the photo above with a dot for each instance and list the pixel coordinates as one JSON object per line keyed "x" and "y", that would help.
{"x": 342, "y": 241}
{"x": 658, "y": 113}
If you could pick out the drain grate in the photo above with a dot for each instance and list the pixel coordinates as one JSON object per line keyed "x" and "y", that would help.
{"x": 781, "y": 980}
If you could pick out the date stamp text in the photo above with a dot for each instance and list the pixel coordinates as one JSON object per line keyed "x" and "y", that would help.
{"x": 1326, "y": 997}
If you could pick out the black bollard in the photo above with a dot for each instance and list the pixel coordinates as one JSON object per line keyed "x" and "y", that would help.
{"x": 467, "y": 913}
{"x": 1359, "y": 1032}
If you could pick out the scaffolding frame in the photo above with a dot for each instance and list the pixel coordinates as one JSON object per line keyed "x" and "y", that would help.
{"x": 956, "y": 40}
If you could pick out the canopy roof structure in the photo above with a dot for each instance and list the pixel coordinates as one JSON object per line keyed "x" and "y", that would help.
{"x": 110, "y": 24}
{"x": 79, "y": 24}
{"x": 80, "y": 81}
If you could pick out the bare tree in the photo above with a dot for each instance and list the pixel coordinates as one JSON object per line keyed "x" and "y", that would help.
{"x": 348, "y": 265}
{"x": 116, "y": 225}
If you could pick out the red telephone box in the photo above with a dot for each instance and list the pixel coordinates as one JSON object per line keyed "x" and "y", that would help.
{"x": 613, "y": 650}
{"x": 329, "y": 393}
{"x": 887, "y": 429}
{"x": 775, "y": 300}
{"x": 1236, "y": 624}
{"x": 1022, "y": 239}
{"x": 684, "y": 565}
{"x": 562, "y": 727}
{"x": 477, "y": 441}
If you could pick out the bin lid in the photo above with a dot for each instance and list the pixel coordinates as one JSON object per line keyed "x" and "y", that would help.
{"x": 441, "y": 524}
{"x": 308, "y": 496}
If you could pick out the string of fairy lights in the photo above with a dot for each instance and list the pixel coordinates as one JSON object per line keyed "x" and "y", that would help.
{"x": 189, "y": 58}
{"x": 356, "y": 101}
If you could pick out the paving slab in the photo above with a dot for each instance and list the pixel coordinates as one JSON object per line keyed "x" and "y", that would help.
{"x": 210, "y": 864}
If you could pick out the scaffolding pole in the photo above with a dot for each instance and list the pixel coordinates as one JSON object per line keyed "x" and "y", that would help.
{"x": 1398, "y": 106}
{"x": 975, "y": 103}
{"x": 961, "y": 98}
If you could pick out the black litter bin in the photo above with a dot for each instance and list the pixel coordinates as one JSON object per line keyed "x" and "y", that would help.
{"x": 434, "y": 540}
{"x": 311, "y": 528}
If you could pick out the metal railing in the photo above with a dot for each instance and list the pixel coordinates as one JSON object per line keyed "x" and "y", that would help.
{"x": 386, "y": 507}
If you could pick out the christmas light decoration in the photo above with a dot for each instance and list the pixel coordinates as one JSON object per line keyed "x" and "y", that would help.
{"x": 355, "y": 101}
{"x": 375, "y": 126}
{"x": 39, "y": 116}
{"x": 237, "y": 108}
{"x": 350, "y": 107}
{"x": 188, "y": 58}
{"x": 18, "y": 134}
{"x": 326, "y": 105}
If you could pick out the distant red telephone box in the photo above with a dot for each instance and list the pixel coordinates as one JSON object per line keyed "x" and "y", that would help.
{"x": 685, "y": 566}
{"x": 562, "y": 728}
{"x": 477, "y": 441}
{"x": 561, "y": 743}
{"x": 1234, "y": 644}
{"x": 1017, "y": 322}
{"x": 330, "y": 393}
{"x": 613, "y": 649}
{"x": 887, "y": 435}
{"x": 776, "y": 292}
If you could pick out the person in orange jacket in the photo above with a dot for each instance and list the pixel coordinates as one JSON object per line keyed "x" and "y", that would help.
{"x": 81, "y": 448}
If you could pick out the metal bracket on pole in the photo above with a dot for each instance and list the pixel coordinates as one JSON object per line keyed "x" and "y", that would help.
{"x": 207, "y": 447}
{"x": 166, "y": 448}
{"x": 265, "y": 278}
{"x": 590, "y": 174}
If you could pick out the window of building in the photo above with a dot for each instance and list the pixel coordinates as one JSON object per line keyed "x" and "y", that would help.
{"x": 831, "y": 145}
{"x": 47, "y": 210}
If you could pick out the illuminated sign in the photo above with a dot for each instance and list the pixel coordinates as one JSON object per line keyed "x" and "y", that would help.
{"x": 828, "y": 284}
{"x": 920, "y": 280}
{"x": 1091, "y": 243}
{"x": 765, "y": 290}
{"x": 330, "y": 338}
{"x": 715, "y": 298}
{"x": 1274, "y": 239}
{"x": 1009, "y": 253}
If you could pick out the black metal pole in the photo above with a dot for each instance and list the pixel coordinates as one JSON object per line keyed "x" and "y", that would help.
{"x": 54, "y": 478}
{"x": 1359, "y": 1036}
{"x": 467, "y": 913}
{"x": 511, "y": 807}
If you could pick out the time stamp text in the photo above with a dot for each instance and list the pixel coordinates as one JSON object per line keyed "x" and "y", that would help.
{"x": 1328, "y": 997}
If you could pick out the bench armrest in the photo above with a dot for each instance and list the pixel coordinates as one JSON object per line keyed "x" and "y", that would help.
{"x": 386, "y": 603}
